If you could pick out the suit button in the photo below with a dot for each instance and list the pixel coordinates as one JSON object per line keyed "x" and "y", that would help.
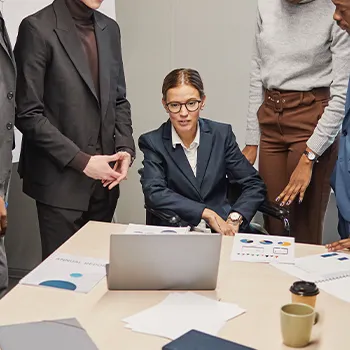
{"x": 9, "y": 126}
{"x": 344, "y": 133}
{"x": 10, "y": 95}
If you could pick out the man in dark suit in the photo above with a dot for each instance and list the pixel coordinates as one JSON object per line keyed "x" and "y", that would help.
{"x": 7, "y": 119}
{"x": 340, "y": 180}
{"x": 169, "y": 183}
{"x": 74, "y": 115}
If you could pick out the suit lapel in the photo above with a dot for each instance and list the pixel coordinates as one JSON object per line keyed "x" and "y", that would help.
{"x": 69, "y": 39}
{"x": 179, "y": 157}
{"x": 7, "y": 48}
{"x": 204, "y": 151}
{"x": 104, "y": 54}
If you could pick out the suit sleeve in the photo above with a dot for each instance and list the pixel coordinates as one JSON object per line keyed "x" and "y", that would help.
{"x": 157, "y": 194}
{"x": 241, "y": 172}
{"x": 32, "y": 58}
{"x": 123, "y": 125}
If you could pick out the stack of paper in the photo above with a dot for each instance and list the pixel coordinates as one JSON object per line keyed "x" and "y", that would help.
{"x": 178, "y": 313}
{"x": 150, "y": 229}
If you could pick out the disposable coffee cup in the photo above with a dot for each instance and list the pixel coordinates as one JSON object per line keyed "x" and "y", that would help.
{"x": 304, "y": 292}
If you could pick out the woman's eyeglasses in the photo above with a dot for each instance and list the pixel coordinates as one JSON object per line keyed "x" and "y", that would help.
{"x": 191, "y": 106}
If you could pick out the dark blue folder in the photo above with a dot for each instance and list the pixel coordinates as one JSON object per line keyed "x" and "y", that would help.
{"x": 195, "y": 340}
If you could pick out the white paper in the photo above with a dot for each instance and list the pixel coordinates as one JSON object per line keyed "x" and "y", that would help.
{"x": 325, "y": 266}
{"x": 70, "y": 272}
{"x": 149, "y": 229}
{"x": 329, "y": 270}
{"x": 320, "y": 267}
{"x": 178, "y": 313}
{"x": 14, "y": 11}
{"x": 263, "y": 248}
{"x": 339, "y": 288}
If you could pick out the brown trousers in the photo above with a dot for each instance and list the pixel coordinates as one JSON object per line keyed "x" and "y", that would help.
{"x": 287, "y": 120}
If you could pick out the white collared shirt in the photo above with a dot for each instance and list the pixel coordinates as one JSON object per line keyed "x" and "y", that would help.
{"x": 191, "y": 155}
{"x": 190, "y": 152}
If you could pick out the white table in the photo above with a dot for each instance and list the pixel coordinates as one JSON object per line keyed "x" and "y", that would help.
{"x": 259, "y": 288}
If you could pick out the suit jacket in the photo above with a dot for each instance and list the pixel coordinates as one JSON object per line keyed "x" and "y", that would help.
{"x": 58, "y": 111}
{"x": 340, "y": 179}
{"x": 7, "y": 106}
{"x": 168, "y": 182}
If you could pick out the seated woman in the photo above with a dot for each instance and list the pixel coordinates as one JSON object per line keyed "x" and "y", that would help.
{"x": 189, "y": 161}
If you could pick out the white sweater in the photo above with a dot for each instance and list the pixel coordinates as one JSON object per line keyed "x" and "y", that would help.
{"x": 300, "y": 47}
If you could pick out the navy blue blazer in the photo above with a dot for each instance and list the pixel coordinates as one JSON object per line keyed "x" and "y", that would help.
{"x": 168, "y": 181}
{"x": 340, "y": 180}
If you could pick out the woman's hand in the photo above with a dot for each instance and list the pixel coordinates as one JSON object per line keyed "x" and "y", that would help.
{"x": 339, "y": 245}
{"x": 298, "y": 183}
{"x": 250, "y": 152}
{"x": 217, "y": 223}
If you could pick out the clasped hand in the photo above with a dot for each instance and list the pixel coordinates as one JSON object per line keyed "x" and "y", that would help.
{"x": 99, "y": 168}
{"x": 218, "y": 224}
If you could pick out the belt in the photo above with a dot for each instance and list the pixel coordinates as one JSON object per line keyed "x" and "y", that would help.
{"x": 279, "y": 100}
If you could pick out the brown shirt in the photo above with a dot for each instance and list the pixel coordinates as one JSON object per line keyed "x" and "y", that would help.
{"x": 83, "y": 17}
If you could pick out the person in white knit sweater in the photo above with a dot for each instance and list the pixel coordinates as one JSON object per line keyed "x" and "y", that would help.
{"x": 299, "y": 76}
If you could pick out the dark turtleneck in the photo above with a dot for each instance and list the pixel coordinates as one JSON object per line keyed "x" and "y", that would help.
{"x": 83, "y": 17}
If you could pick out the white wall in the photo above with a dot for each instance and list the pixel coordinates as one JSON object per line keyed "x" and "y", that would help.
{"x": 214, "y": 37}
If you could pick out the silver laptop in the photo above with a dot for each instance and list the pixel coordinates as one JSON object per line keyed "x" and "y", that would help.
{"x": 164, "y": 261}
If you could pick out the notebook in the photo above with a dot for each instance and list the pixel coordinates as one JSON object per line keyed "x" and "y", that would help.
{"x": 331, "y": 272}
{"x": 195, "y": 340}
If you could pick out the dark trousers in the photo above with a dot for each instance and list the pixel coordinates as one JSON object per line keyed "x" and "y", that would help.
{"x": 57, "y": 225}
{"x": 287, "y": 120}
{"x": 343, "y": 227}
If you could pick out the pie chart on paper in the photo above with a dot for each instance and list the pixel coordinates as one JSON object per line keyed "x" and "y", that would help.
{"x": 285, "y": 244}
{"x": 266, "y": 242}
{"x": 247, "y": 241}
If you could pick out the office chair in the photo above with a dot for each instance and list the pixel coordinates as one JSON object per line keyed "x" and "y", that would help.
{"x": 169, "y": 218}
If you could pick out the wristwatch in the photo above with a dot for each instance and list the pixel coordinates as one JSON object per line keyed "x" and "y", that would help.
{"x": 236, "y": 218}
{"x": 310, "y": 156}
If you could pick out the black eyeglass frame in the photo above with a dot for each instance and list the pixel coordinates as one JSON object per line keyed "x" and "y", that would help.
{"x": 183, "y": 104}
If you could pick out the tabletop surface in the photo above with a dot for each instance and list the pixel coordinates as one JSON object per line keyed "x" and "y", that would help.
{"x": 261, "y": 289}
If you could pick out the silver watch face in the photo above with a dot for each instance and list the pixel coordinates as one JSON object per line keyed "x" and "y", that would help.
{"x": 311, "y": 156}
{"x": 234, "y": 216}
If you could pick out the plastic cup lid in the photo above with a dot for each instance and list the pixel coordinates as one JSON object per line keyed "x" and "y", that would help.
{"x": 304, "y": 288}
